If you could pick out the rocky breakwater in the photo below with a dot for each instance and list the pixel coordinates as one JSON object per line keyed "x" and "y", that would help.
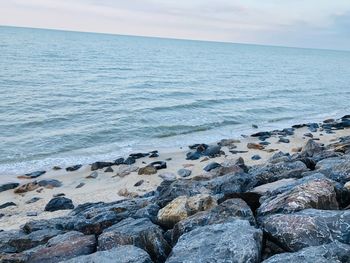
{"x": 295, "y": 206}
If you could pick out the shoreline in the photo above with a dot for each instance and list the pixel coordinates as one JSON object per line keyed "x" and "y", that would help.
{"x": 125, "y": 181}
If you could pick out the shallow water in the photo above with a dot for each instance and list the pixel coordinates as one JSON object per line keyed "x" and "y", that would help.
{"x": 69, "y": 97}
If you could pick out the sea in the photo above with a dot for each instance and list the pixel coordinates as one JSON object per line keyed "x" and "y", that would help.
{"x": 74, "y": 98}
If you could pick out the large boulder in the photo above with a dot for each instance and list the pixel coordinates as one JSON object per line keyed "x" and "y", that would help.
{"x": 229, "y": 210}
{"x": 306, "y": 228}
{"x": 311, "y": 148}
{"x": 334, "y": 252}
{"x": 59, "y": 203}
{"x": 63, "y": 247}
{"x": 235, "y": 241}
{"x": 309, "y": 192}
{"x": 138, "y": 232}
{"x": 338, "y": 169}
{"x": 183, "y": 207}
{"x": 121, "y": 254}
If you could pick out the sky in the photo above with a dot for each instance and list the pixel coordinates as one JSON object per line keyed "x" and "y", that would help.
{"x": 297, "y": 23}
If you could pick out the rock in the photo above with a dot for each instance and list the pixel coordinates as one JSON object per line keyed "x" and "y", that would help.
{"x": 212, "y": 151}
{"x": 184, "y": 172}
{"x": 34, "y": 174}
{"x": 56, "y": 168}
{"x": 27, "y": 187}
{"x": 308, "y": 192}
{"x": 255, "y": 126}
{"x": 124, "y": 170}
{"x": 15, "y": 241}
{"x": 183, "y": 207}
{"x": 228, "y": 142}
{"x": 129, "y": 161}
{"x": 150, "y": 211}
{"x": 158, "y": 165}
{"x": 284, "y": 140}
{"x": 333, "y": 252}
{"x": 139, "y": 183}
{"x": 217, "y": 243}
{"x": 168, "y": 176}
{"x": 313, "y": 127}
{"x": 138, "y": 232}
{"x": 261, "y": 134}
{"x": 73, "y": 168}
{"x": 147, "y": 170}
{"x": 280, "y": 157}
{"x": 126, "y": 193}
{"x": 154, "y": 154}
{"x": 211, "y": 166}
{"x": 50, "y": 183}
{"x": 33, "y": 200}
{"x": 311, "y": 148}
{"x": 63, "y": 247}
{"x": 255, "y": 146}
{"x": 193, "y": 156}
{"x": 306, "y": 228}
{"x": 119, "y": 161}
{"x": 7, "y": 204}
{"x": 268, "y": 173}
{"x": 58, "y": 194}
{"x": 59, "y": 203}
{"x": 310, "y": 135}
{"x": 32, "y": 214}
{"x": 270, "y": 187}
{"x": 256, "y": 157}
{"x": 100, "y": 165}
{"x": 93, "y": 175}
{"x": 337, "y": 169}
{"x": 227, "y": 211}
{"x": 138, "y": 155}
{"x": 109, "y": 170}
{"x": 8, "y": 186}
{"x": 123, "y": 254}
{"x": 80, "y": 185}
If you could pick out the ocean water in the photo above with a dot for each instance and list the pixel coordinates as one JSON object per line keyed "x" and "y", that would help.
{"x": 68, "y": 97}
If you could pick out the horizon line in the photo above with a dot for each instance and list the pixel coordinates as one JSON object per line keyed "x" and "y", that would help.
{"x": 173, "y": 38}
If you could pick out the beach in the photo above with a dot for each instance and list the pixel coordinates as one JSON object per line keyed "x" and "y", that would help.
{"x": 124, "y": 181}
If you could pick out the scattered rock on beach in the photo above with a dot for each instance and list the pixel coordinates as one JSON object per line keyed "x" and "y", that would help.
{"x": 80, "y": 185}
{"x": 255, "y": 146}
{"x": 73, "y": 168}
{"x": 139, "y": 183}
{"x": 32, "y": 175}
{"x": 168, "y": 176}
{"x": 184, "y": 172}
{"x": 50, "y": 183}
{"x": 93, "y": 175}
{"x": 256, "y": 157}
{"x": 147, "y": 170}
{"x": 33, "y": 200}
{"x": 283, "y": 140}
{"x": 8, "y": 186}
{"x": 100, "y": 165}
{"x": 59, "y": 203}
{"x": 27, "y": 187}
{"x": 211, "y": 166}
{"x": 7, "y": 204}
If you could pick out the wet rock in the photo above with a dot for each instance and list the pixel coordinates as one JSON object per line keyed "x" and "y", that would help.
{"x": 217, "y": 243}
{"x": 313, "y": 127}
{"x": 59, "y": 203}
{"x": 255, "y": 146}
{"x": 32, "y": 214}
{"x": 33, "y": 200}
{"x": 58, "y": 194}
{"x": 50, "y": 183}
{"x": 7, "y": 204}
{"x": 310, "y": 135}
{"x": 227, "y": 211}
{"x": 312, "y": 192}
{"x": 256, "y": 157}
{"x": 129, "y": 161}
{"x": 153, "y": 154}
{"x": 33, "y": 175}
{"x": 306, "y": 228}
{"x": 280, "y": 157}
{"x": 56, "y": 168}
{"x": 139, "y": 183}
{"x": 311, "y": 148}
{"x": 147, "y": 170}
{"x": 64, "y": 247}
{"x": 329, "y": 253}
{"x": 93, "y": 175}
{"x": 124, "y": 254}
{"x": 27, "y": 187}
{"x": 168, "y": 176}
{"x": 100, "y": 165}
{"x": 261, "y": 134}
{"x": 138, "y": 232}
{"x": 119, "y": 161}
{"x": 184, "y": 172}
{"x": 268, "y": 173}
{"x": 183, "y": 207}
{"x": 211, "y": 166}
{"x": 158, "y": 165}
{"x": 8, "y": 186}
{"x": 74, "y": 168}
{"x": 80, "y": 185}
{"x": 193, "y": 156}
{"x": 109, "y": 170}
{"x": 212, "y": 151}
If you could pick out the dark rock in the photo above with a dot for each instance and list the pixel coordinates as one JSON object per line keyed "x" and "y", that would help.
{"x": 337, "y": 169}
{"x": 93, "y": 175}
{"x": 32, "y": 214}
{"x": 33, "y": 200}
{"x": 184, "y": 172}
{"x": 138, "y": 155}
{"x": 284, "y": 140}
{"x": 313, "y": 127}
{"x": 229, "y": 210}
{"x": 154, "y": 155}
{"x": 35, "y": 174}
{"x": 119, "y": 161}
{"x": 261, "y": 134}
{"x": 255, "y": 146}
{"x": 256, "y": 157}
{"x": 7, "y": 204}
{"x": 150, "y": 212}
{"x": 129, "y": 161}
{"x": 265, "y": 143}
{"x": 212, "y": 151}
{"x": 333, "y": 252}
{"x": 63, "y": 247}
{"x": 306, "y": 228}
{"x": 138, "y": 232}
{"x": 217, "y": 243}
{"x": 109, "y": 170}
{"x": 310, "y": 135}
{"x": 193, "y": 156}
{"x": 50, "y": 183}
{"x": 8, "y": 186}
{"x": 121, "y": 254}
{"x": 74, "y": 168}
{"x": 211, "y": 166}
{"x": 80, "y": 185}
{"x": 100, "y": 165}
{"x": 59, "y": 194}
{"x": 158, "y": 165}
{"x": 59, "y": 203}
{"x": 139, "y": 183}
{"x": 311, "y": 148}
{"x": 168, "y": 176}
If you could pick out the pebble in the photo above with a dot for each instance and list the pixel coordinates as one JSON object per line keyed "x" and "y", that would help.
{"x": 109, "y": 170}
{"x": 32, "y": 214}
{"x": 284, "y": 140}
{"x": 93, "y": 175}
{"x": 80, "y": 185}
{"x": 33, "y": 200}
{"x": 308, "y": 135}
{"x": 211, "y": 166}
{"x": 139, "y": 183}
{"x": 59, "y": 194}
{"x": 184, "y": 172}
{"x": 256, "y": 157}
{"x": 73, "y": 168}
{"x": 56, "y": 168}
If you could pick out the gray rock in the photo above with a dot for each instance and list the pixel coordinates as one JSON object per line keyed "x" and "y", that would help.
{"x": 32, "y": 214}
{"x": 138, "y": 232}
{"x": 334, "y": 252}
{"x": 7, "y": 204}
{"x": 311, "y": 148}
{"x": 184, "y": 172}
{"x": 80, "y": 185}
{"x": 256, "y": 157}
{"x": 139, "y": 183}
{"x": 50, "y": 183}
{"x": 99, "y": 165}
{"x": 229, "y": 210}
{"x": 338, "y": 169}
{"x": 35, "y": 174}
{"x": 121, "y": 254}
{"x": 73, "y": 168}
{"x": 168, "y": 176}
{"x": 234, "y": 242}
{"x": 211, "y": 166}
{"x": 306, "y": 228}
{"x": 8, "y": 186}
{"x": 33, "y": 200}
{"x": 93, "y": 175}
{"x": 283, "y": 140}
{"x": 109, "y": 170}
{"x": 59, "y": 203}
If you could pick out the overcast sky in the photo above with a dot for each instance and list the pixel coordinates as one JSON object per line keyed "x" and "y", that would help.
{"x": 301, "y": 23}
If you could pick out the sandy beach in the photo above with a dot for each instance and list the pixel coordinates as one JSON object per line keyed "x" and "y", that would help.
{"x": 111, "y": 186}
